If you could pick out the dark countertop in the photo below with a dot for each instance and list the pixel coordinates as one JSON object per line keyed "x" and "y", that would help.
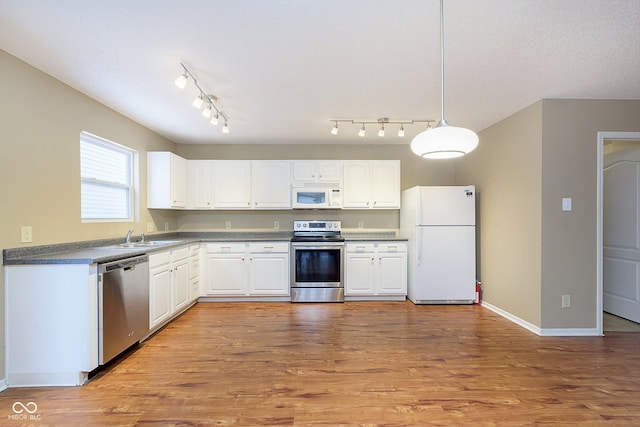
{"x": 107, "y": 250}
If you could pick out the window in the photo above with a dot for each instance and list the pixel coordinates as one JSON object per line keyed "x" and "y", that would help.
{"x": 107, "y": 172}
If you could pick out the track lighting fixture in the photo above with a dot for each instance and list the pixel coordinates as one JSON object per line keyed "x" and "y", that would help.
{"x": 444, "y": 141}
{"x": 381, "y": 121}
{"x": 203, "y": 98}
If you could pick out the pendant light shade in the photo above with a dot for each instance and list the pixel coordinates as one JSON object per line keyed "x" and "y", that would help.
{"x": 443, "y": 141}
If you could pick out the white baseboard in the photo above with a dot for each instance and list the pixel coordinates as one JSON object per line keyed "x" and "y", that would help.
{"x": 544, "y": 332}
{"x": 3, "y": 384}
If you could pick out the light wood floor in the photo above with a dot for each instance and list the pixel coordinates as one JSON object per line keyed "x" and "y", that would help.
{"x": 353, "y": 364}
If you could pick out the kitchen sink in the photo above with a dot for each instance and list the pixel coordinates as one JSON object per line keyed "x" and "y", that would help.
{"x": 138, "y": 245}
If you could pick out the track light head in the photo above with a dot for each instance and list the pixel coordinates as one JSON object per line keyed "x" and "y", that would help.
{"x": 334, "y": 129}
{"x": 401, "y": 131}
{"x": 381, "y": 131}
{"x": 362, "y": 131}
{"x": 181, "y": 81}
{"x": 198, "y": 102}
{"x": 214, "y": 120}
{"x": 207, "y": 111}
{"x": 225, "y": 128}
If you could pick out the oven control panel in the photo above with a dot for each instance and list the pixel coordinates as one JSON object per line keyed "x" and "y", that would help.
{"x": 316, "y": 225}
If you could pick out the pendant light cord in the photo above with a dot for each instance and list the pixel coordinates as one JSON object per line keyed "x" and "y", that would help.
{"x": 442, "y": 120}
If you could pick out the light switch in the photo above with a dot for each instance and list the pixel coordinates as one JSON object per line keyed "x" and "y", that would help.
{"x": 566, "y": 203}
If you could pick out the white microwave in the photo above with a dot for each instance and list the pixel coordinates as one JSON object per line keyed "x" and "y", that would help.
{"x": 309, "y": 196}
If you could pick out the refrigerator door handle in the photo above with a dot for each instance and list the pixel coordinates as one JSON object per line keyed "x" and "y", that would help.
{"x": 418, "y": 244}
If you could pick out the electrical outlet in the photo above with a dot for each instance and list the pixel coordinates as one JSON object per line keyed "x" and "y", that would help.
{"x": 227, "y": 225}
{"x": 566, "y": 301}
{"x": 150, "y": 227}
{"x": 360, "y": 225}
{"x": 276, "y": 225}
{"x": 26, "y": 234}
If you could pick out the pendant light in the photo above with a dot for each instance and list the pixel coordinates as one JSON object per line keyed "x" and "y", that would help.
{"x": 444, "y": 141}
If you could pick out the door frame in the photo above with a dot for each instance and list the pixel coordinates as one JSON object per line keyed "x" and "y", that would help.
{"x": 602, "y": 137}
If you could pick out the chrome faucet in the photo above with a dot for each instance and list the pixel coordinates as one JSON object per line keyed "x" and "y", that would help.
{"x": 127, "y": 238}
{"x": 141, "y": 237}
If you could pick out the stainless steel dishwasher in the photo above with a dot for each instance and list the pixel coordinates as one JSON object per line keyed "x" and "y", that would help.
{"x": 123, "y": 305}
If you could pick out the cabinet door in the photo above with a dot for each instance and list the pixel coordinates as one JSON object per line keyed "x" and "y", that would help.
{"x": 304, "y": 171}
{"x": 226, "y": 274}
{"x": 181, "y": 284}
{"x": 329, "y": 170}
{"x": 357, "y": 187}
{"x": 159, "y": 295}
{"x": 232, "y": 184}
{"x": 271, "y": 184}
{"x": 385, "y": 184}
{"x": 199, "y": 189}
{"x": 269, "y": 274}
{"x": 178, "y": 182}
{"x": 359, "y": 274}
{"x": 392, "y": 273}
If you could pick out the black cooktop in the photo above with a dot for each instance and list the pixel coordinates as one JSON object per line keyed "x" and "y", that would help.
{"x": 317, "y": 238}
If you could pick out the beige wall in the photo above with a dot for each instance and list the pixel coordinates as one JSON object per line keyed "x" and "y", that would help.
{"x": 531, "y": 251}
{"x": 569, "y": 169}
{"x": 40, "y": 124}
{"x": 506, "y": 169}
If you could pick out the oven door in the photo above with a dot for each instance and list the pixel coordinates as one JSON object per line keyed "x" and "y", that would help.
{"x": 317, "y": 265}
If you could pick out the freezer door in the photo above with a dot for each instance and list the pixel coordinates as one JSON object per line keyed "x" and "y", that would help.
{"x": 446, "y": 270}
{"x": 447, "y": 205}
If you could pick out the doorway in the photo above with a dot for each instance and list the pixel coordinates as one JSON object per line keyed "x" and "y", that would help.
{"x": 618, "y": 224}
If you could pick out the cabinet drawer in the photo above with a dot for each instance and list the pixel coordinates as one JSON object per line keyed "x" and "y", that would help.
{"x": 269, "y": 247}
{"x": 392, "y": 247}
{"x": 226, "y": 248}
{"x": 159, "y": 258}
{"x": 181, "y": 253}
{"x": 360, "y": 247}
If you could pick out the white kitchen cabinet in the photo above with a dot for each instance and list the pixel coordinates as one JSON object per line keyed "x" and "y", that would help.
{"x": 376, "y": 270}
{"x": 199, "y": 184}
{"x": 166, "y": 180}
{"x": 232, "y": 184}
{"x": 51, "y": 315}
{"x": 317, "y": 171}
{"x": 271, "y": 184}
{"x": 371, "y": 184}
{"x": 269, "y": 269}
{"x": 159, "y": 289}
{"x": 247, "y": 270}
{"x": 169, "y": 285}
{"x": 225, "y": 269}
{"x": 194, "y": 271}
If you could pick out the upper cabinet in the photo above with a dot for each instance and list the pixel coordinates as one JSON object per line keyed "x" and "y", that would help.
{"x": 199, "y": 184}
{"x": 232, "y": 184}
{"x": 167, "y": 180}
{"x": 371, "y": 184}
{"x": 271, "y": 184}
{"x": 252, "y": 184}
{"x": 176, "y": 183}
{"x": 317, "y": 171}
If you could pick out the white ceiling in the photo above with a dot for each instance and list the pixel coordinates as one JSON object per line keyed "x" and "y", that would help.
{"x": 282, "y": 68}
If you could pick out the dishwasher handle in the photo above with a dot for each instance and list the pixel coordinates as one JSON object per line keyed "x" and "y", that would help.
{"x": 126, "y": 264}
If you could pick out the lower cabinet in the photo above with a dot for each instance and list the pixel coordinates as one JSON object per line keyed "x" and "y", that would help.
{"x": 243, "y": 271}
{"x": 375, "y": 271}
{"x": 169, "y": 285}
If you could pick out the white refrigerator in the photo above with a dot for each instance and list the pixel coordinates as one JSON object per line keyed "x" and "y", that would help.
{"x": 440, "y": 225}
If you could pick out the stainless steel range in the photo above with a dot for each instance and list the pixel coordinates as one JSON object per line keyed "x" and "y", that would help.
{"x": 317, "y": 262}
